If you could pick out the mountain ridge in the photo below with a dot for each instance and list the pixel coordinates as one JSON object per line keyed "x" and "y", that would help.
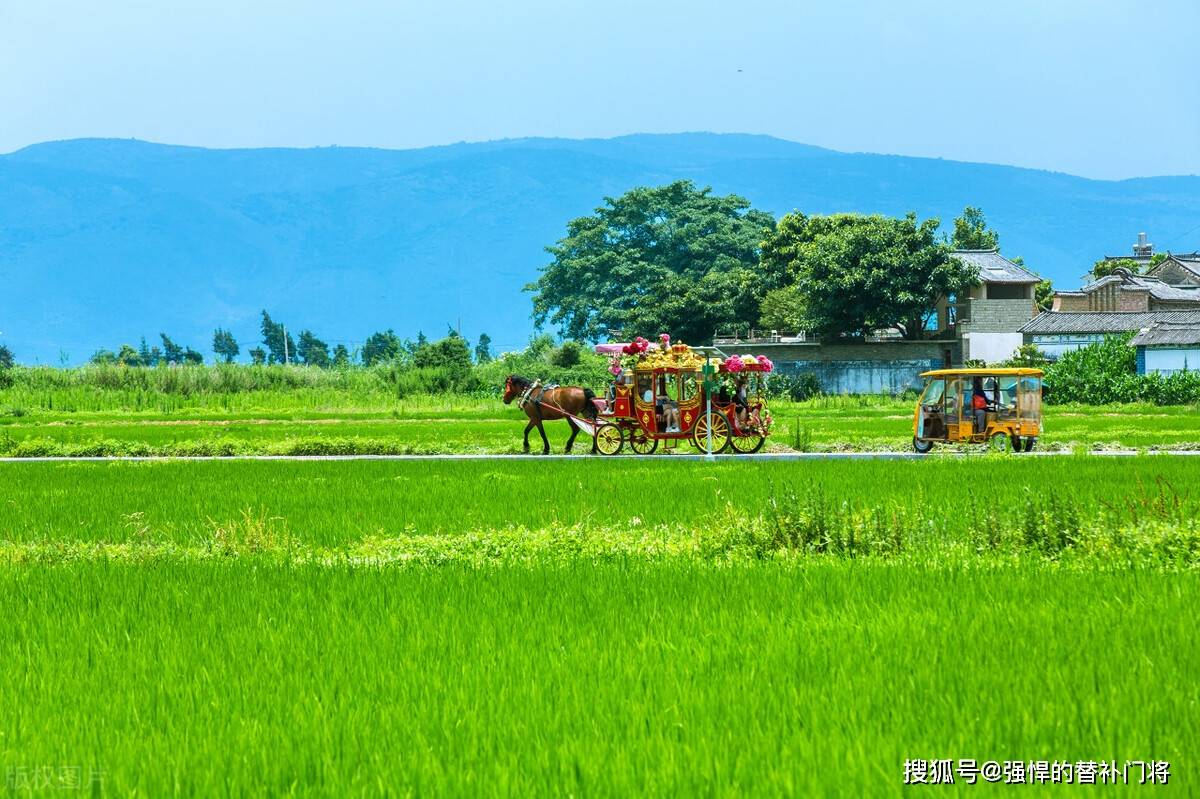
{"x": 105, "y": 240}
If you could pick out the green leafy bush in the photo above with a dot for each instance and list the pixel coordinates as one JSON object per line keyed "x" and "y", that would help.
{"x": 1106, "y": 372}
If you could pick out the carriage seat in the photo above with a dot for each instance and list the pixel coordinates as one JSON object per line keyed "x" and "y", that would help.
{"x": 600, "y": 403}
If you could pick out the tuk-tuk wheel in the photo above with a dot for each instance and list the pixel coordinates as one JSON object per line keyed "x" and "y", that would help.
{"x": 1001, "y": 442}
{"x": 922, "y": 447}
{"x": 1029, "y": 442}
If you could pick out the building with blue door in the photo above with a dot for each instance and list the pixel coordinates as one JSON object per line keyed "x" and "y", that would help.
{"x": 1168, "y": 347}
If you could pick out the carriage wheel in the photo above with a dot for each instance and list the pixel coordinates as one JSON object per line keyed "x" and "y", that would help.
{"x": 720, "y": 433}
{"x": 1001, "y": 442}
{"x": 747, "y": 445}
{"x": 609, "y": 439}
{"x": 641, "y": 443}
{"x": 922, "y": 446}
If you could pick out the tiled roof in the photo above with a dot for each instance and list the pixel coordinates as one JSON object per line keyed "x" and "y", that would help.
{"x": 995, "y": 268}
{"x": 1161, "y": 333}
{"x": 1105, "y": 321}
{"x": 1189, "y": 261}
{"x": 1158, "y": 289}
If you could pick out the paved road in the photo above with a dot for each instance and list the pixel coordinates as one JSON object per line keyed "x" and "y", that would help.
{"x": 761, "y": 456}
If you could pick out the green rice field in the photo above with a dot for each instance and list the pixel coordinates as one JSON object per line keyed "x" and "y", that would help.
{"x": 592, "y": 627}
{"x": 292, "y": 423}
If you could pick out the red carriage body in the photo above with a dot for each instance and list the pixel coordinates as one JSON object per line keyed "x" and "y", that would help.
{"x": 661, "y": 393}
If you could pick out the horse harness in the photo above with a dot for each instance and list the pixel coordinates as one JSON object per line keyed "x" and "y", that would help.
{"x": 534, "y": 395}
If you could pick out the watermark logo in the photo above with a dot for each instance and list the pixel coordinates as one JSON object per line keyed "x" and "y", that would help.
{"x": 1037, "y": 772}
{"x": 50, "y": 778}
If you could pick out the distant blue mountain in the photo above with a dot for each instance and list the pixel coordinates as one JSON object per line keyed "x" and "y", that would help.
{"x": 103, "y": 241}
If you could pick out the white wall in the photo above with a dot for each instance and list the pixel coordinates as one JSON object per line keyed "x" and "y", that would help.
{"x": 1054, "y": 346}
{"x": 990, "y": 347}
{"x": 1167, "y": 360}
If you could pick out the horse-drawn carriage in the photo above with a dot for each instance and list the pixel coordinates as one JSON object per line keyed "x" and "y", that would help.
{"x": 661, "y": 393}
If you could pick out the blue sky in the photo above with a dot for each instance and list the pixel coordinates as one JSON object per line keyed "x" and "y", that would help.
{"x": 1102, "y": 89}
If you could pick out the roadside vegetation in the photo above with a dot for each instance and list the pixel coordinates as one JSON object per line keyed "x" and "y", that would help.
{"x": 281, "y": 410}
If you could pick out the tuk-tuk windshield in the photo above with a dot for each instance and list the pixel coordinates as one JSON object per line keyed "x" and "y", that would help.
{"x": 934, "y": 389}
{"x": 1031, "y": 397}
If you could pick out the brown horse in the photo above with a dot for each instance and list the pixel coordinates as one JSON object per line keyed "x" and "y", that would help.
{"x": 548, "y": 405}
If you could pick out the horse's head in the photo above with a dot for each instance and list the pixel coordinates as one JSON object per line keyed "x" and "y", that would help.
{"x": 513, "y": 386}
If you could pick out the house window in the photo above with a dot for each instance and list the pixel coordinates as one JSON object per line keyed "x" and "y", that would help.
{"x": 1007, "y": 291}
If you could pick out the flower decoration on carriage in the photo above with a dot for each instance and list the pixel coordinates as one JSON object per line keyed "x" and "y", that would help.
{"x": 638, "y": 346}
{"x": 614, "y": 366}
{"x": 766, "y": 363}
{"x": 734, "y": 364}
{"x": 664, "y": 341}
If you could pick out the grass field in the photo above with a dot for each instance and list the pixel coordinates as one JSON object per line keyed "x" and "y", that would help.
{"x": 593, "y": 627}
{"x": 326, "y": 422}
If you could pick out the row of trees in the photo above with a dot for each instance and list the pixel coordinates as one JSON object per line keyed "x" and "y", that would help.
{"x": 279, "y": 346}
{"x": 680, "y": 259}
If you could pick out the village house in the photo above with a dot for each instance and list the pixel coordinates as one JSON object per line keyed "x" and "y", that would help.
{"x": 1059, "y": 332}
{"x": 988, "y": 321}
{"x": 1124, "y": 302}
{"x": 1127, "y": 292}
{"x": 1168, "y": 347}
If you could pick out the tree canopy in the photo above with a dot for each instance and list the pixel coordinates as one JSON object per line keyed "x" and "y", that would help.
{"x": 224, "y": 345}
{"x": 855, "y": 274}
{"x": 312, "y": 351}
{"x": 483, "y": 350}
{"x": 381, "y": 348}
{"x": 674, "y": 259}
{"x": 972, "y": 233}
{"x": 280, "y": 346}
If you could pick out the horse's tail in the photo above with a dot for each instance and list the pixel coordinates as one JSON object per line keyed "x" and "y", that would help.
{"x": 589, "y": 407}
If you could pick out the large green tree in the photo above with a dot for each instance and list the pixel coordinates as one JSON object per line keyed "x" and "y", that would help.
{"x": 6, "y": 357}
{"x": 856, "y": 274}
{"x": 483, "y": 350}
{"x": 172, "y": 352}
{"x": 673, "y": 259}
{"x": 280, "y": 346}
{"x": 452, "y": 353}
{"x": 381, "y": 348}
{"x": 312, "y": 351}
{"x": 225, "y": 345}
{"x": 972, "y": 233}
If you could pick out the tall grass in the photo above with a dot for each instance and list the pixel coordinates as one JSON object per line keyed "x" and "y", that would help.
{"x": 1093, "y": 512}
{"x": 591, "y": 627}
{"x": 244, "y": 678}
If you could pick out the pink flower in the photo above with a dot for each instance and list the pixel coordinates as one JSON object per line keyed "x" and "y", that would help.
{"x": 733, "y": 363}
{"x": 614, "y": 366}
{"x": 767, "y": 365}
{"x": 665, "y": 339}
{"x": 641, "y": 344}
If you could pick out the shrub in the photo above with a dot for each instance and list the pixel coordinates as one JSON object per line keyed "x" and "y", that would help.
{"x": 567, "y": 355}
{"x": 797, "y": 387}
{"x": 1100, "y": 373}
{"x": 1106, "y": 372}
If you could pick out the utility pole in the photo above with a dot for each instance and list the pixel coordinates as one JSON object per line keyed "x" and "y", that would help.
{"x": 709, "y": 373}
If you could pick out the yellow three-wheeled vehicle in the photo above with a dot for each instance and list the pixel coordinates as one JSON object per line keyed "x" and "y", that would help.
{"x": 998, "y": 407}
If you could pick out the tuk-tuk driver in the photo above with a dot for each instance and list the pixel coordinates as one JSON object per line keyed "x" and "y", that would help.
{"x": 979, "y": 405}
